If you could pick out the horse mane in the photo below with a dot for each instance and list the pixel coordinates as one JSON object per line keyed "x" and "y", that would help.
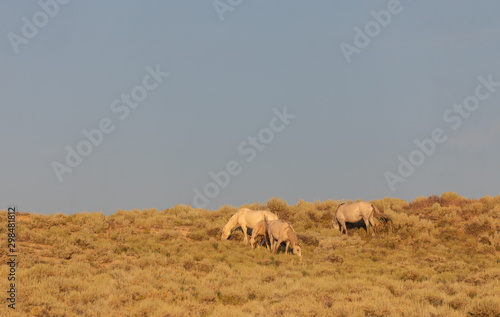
{"x": 232, "y": 222}
{"x": 293, "y": 236}
{"x": 234, "y": 218}
{"x": 381, "y": 215}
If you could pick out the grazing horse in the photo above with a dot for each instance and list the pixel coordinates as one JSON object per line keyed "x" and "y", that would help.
{"x": 281, "y": 231}
{"x": 355, "y": 212}
{"x": 259, "y": 231}
{"x": 246, "y": 218}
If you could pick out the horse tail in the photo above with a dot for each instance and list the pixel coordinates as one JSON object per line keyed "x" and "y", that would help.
{"x": 335, "y": 222}
{"x": 341, "y": 204}
{"x": 381, "y": 215}
{"x": 335, "y": 213}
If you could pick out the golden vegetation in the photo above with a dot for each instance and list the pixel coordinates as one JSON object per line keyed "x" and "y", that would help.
{"x": 440, "y": 257}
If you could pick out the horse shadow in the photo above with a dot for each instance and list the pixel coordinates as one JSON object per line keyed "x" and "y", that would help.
{"x": 282, "y": 248}
{"x": 237, "y": 234}
{"x": 381, "y": 226}
{"x": 354, "y": 225}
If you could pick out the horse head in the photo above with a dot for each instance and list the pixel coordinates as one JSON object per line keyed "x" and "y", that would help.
{"x": 226, "y": 232}
{"x": 297, "y": 250}
{"x": 335, "y": 222}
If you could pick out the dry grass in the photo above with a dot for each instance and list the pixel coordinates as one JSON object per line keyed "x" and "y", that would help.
{"x": 440, "y": 257}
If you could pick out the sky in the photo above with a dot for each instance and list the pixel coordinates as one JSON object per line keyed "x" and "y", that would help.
{"x": 111, "y": 105}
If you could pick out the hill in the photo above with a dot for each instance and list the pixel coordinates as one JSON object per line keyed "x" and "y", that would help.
{"x": 440, "y": 257}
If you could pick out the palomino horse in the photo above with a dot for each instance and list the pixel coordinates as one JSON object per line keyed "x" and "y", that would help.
{"x": 281, "y": 231}
{"x": 355, "y": 212}
{"x": 259, "y": 231}
{"x": 246, "y": 218}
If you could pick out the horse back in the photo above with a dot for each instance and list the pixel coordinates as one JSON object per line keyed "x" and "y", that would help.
{"x": 354, "y": 212}
{"x": 279, "y": 229}
{"x": 252, "y": 217}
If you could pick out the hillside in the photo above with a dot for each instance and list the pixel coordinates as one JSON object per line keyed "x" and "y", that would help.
{"x": 440, "y": 257}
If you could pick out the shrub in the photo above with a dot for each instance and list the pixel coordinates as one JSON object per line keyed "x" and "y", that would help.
{"x": 376, "y": 310}
{"x": 421, "y": 203}
{"x": 395, "y": 204}
{"x": 476, "y": 208}
{"x": 197, "y": 236}
{"x": 434, "y": 299}
{"x": 459, "y": 302}
{"x": 314, "y": 215}
{"x": 335, "y": 258}
{"x": 409, "y": 225}
{"x": 327, "y": 205}
{"x": 255, "y": 206}
{"x": 496, "y": 240}
{"x": 81, "y": 241}
{"x": 450, "y": 197}
{"x": 411, "y": 275}
{"x": 95, "y": 222}
{"x": 214, "y": 232}
{"x": 309, "y": 238}
{"x": 487, "y": 307}
{"x": 279, "y": 207}
{"x": 224, "y": 212}
{"x": 479, "y": 225}
{"x": 232, "y": 295}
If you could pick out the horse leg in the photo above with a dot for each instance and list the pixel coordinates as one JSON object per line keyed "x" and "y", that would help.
{"x": 374, "y": 226}
{"x": 367, "y": 224}
{"x": 342, "y": 227}
{"x": 277, "y": 245}
{"x": 245, "y": 233}
{"x": 271, "y": 239}
{"x": 260, "y": 242}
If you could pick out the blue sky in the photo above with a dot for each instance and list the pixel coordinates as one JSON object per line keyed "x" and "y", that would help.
{"x": 353, "y": 120}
